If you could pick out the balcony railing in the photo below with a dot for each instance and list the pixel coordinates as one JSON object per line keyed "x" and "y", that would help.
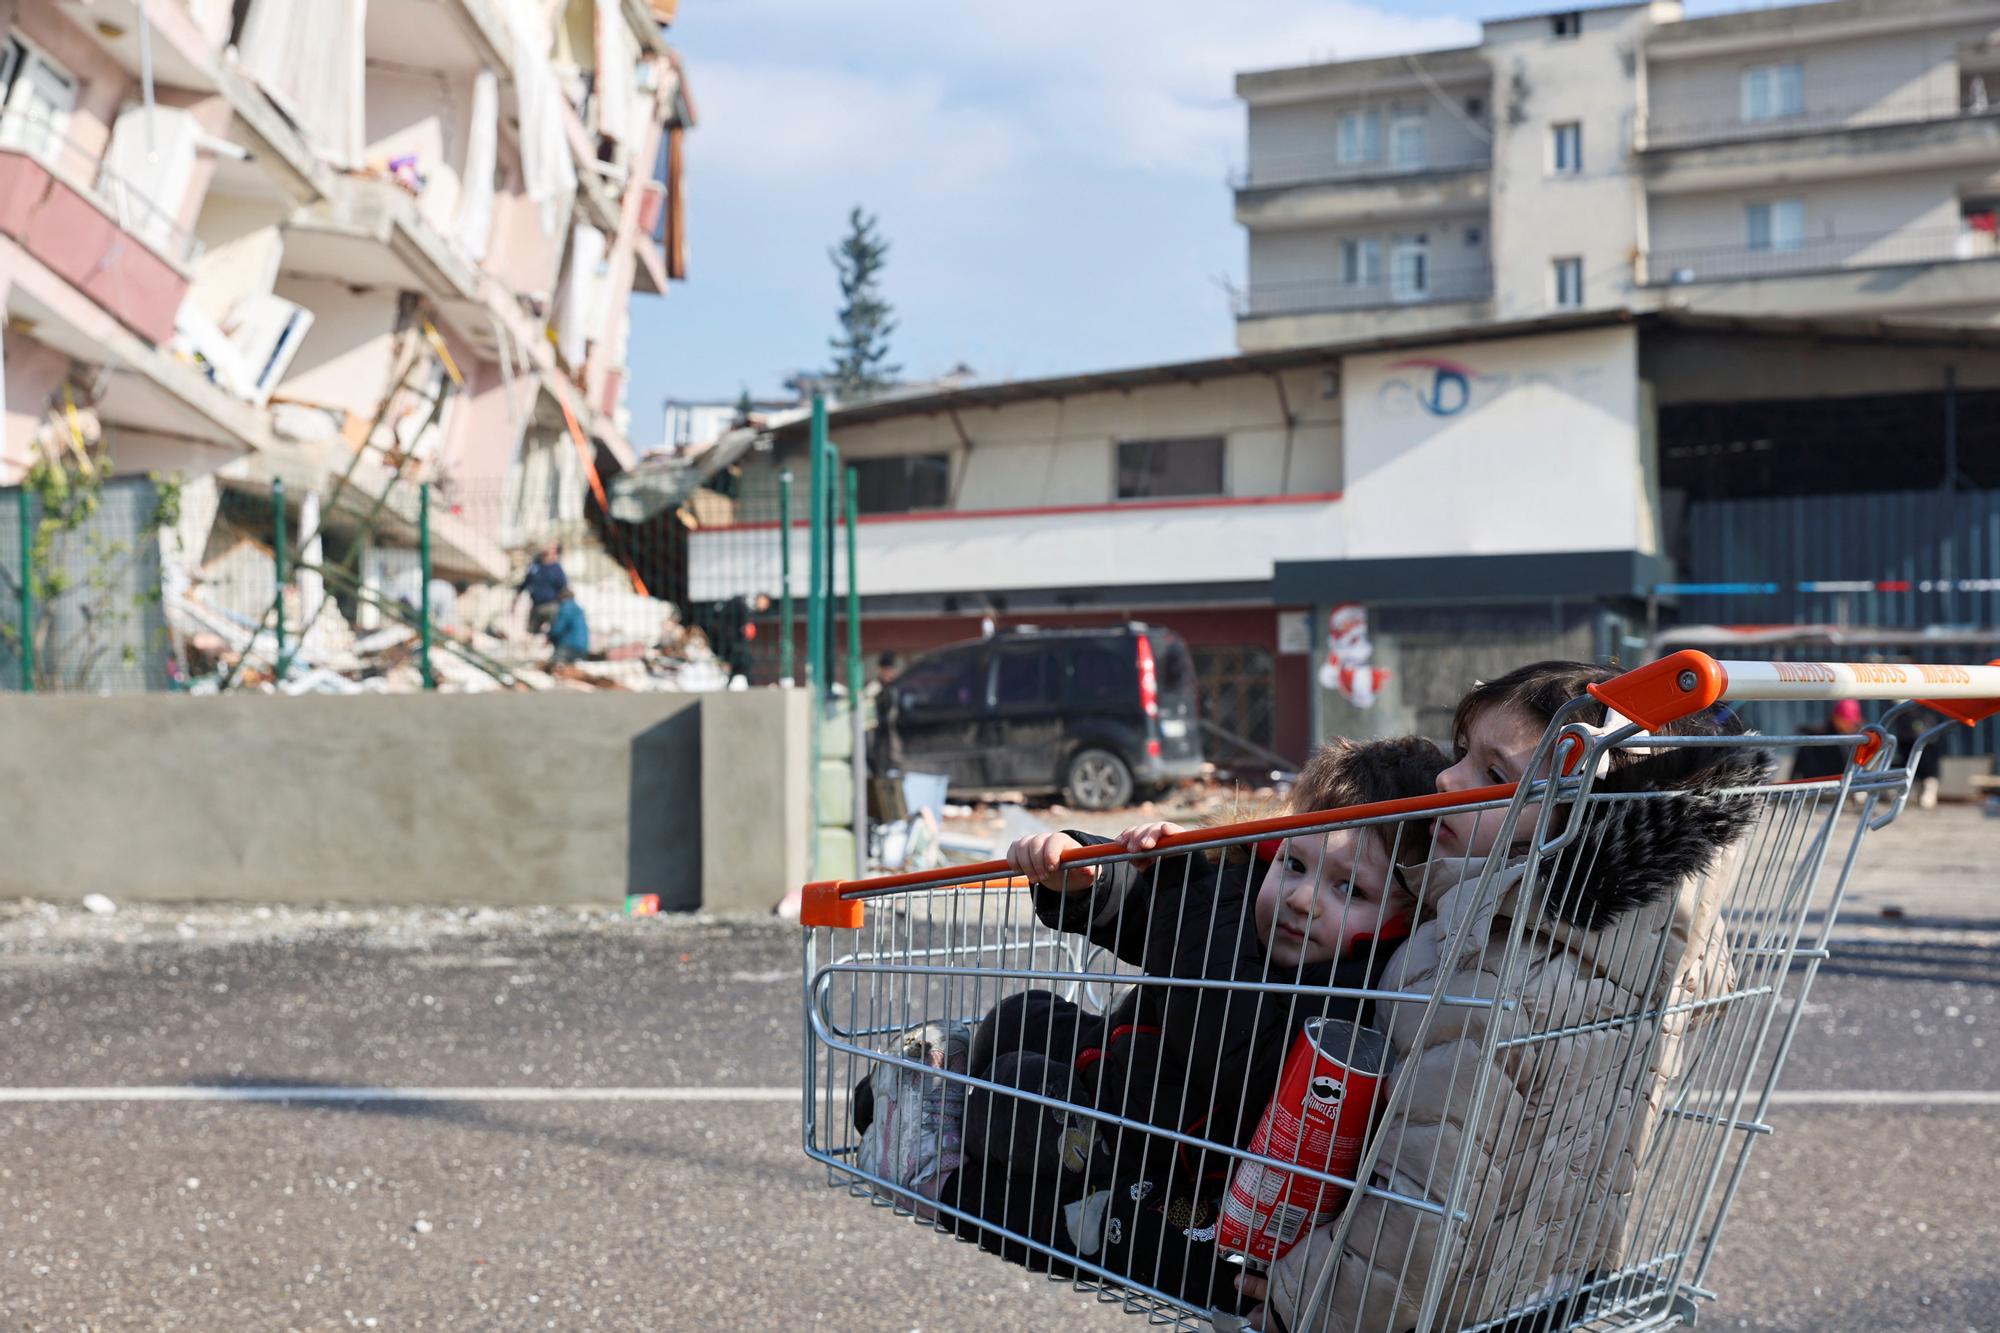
{"x": 1826, "y": 108}
{"x": 1466, "y": 283}
{"x": 1328, "y": 168}
{"x": 1731, "y": 263}
{"x": 83, "y": 171}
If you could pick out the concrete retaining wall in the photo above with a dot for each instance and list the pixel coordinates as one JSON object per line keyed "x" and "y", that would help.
{"x": 492, "y": 799}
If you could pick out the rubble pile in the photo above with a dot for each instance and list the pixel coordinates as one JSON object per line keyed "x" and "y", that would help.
{"x": 216, "y": 615}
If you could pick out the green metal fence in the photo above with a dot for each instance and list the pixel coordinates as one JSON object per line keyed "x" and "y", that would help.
{"x": 80, "y": 588}
{"x": 458, "y": 584}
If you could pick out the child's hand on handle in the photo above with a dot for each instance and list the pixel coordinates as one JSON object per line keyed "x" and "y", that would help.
{"x": 1039, "y": 857}
{"x": 1145, "y": 837}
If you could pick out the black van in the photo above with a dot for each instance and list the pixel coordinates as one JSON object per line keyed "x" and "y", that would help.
{"x": 1100, "y": 715}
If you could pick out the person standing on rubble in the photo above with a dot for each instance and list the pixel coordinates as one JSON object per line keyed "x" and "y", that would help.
{"x": 544, "y": 583}
{"x": 569, "y": 632}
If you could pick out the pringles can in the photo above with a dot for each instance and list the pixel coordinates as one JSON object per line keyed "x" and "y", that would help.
{"x": 1317, "y": 1119}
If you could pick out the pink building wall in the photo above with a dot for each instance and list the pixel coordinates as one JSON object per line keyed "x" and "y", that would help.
{"x": 33, "y": 373}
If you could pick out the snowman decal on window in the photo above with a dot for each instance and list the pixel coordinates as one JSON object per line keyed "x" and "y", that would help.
{"x": 1349, "y": 667}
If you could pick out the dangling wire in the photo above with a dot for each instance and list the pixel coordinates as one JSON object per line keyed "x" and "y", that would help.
{"x": 146, "y": 78}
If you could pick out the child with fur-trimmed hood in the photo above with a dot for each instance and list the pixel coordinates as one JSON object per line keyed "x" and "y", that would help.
{"x": 1622, "y": 951}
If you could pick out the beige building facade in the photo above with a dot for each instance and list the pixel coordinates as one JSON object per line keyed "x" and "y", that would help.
{"x": 1821, "y": 159}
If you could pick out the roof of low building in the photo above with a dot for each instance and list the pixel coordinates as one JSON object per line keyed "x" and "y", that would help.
{"x": 1005, "y": 392}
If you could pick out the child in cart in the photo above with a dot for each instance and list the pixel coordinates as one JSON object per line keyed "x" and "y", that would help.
{"x": 1306, "y": 911}
{"x": 1623, "y": 951}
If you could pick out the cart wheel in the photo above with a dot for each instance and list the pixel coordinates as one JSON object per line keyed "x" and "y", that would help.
{"x": 1094, "y": 995}
{"x": 1099, "y": 780}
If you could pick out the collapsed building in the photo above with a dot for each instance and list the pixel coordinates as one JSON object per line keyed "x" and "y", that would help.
{"x": 271, "y": 268}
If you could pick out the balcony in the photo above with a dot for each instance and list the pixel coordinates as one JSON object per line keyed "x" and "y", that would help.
{"x": 1323, "y": 295}
{"x": 1827, "y": 254}
{"x": 81, "y": 221}
{"x": 1327, "y": 168}
{"x": 182, "y": 54}
{"x": 370, "y": 232}
{"x": 1317, "y": 191}
{"x": 1845, "y": 152}
{"x": 1826, "y": 109}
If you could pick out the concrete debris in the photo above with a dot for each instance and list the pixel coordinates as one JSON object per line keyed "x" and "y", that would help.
{"x": 220, "y": 621}
{"x": 98, "y": 905}
{"x": 617, "y": 614}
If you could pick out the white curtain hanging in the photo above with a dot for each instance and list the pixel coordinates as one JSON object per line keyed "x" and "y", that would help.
{"x": 475, "y": 208}
{"x": 617, "y": 57}
{"x": 310, "y": 56}
{"x": 146, "y": 171}
{"x": 577, "y": 320}
{"x": 546, "y": 165}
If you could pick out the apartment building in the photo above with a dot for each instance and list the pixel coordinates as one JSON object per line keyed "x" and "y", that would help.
{"x": 1821, "y": 159}
{"x": 351, "y": 245}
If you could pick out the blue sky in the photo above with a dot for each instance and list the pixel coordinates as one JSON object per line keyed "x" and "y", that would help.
{"x": 1050, "y": 173}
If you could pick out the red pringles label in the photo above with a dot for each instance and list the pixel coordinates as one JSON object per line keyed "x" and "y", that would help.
{"x": 1317, "y": 1119}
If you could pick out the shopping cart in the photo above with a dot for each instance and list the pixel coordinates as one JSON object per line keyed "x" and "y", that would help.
{"x": 1683, "y": 1078}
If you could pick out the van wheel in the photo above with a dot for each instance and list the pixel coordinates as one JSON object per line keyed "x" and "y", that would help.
{"x": 1098, "y": 780}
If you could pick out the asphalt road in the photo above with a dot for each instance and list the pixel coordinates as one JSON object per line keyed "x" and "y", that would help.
{"x": 695, "y": 1214}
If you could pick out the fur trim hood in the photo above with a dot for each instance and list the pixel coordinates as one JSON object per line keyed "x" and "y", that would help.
{"x": 1633, "y": 853}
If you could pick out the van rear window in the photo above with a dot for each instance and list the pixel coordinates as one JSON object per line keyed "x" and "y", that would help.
{"x": 1176, "y": 668}
{"x": 1102, "y": 676}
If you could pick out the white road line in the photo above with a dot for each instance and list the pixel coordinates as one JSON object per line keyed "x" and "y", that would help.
{"x": 225, "y": 1093}
{"x": 1943, "y": 1097}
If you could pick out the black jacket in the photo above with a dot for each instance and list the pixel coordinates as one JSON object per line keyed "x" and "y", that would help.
{"x": 1199, "y": 1060}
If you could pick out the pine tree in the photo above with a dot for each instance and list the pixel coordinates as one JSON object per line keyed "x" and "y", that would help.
{"x": 861, "y": 350}
{"x": 744, "y": 407}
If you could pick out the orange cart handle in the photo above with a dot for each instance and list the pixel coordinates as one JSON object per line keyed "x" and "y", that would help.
{"x": 837, "y": 903}
{"x": 1689, "y": 681}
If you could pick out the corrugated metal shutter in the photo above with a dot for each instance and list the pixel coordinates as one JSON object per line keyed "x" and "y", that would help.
{"x": 1922, "y": 537}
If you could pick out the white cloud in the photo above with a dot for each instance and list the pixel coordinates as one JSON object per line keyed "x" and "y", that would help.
{"x": 794, "y": 126}
{"x": 961, "y": 93}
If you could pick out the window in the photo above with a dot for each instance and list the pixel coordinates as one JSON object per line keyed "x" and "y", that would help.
{"x": 1360, "y": 262}
{"x": 899, "y": 485}
{"x": 939, "y": 684}
{"x": 1407, "y": 141}
{"x": 1773, "y": 92}
{"x": 1022, "y": 677}
{"x": 1778, "y": 225}
{"x": 1474, "y": 235}
{"x": 1410, "y": 268}
{"x": 1568, "y": 281}
{"x": 1566, "y": 26}
{"x": 1238, "y": 690}
{"x": 1361, "y": 137}
{"x": 1566, "y": 149}
{"x": 1154, "y": 469}
{"x": 36, "y": 97}
{"x": 1475, "y": 107}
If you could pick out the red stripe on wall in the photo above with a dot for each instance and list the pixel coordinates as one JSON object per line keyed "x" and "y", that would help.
{"x": 1114, "y": 507}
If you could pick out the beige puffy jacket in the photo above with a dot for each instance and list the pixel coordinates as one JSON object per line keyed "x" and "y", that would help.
{"x": 1564, "y": 1123}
